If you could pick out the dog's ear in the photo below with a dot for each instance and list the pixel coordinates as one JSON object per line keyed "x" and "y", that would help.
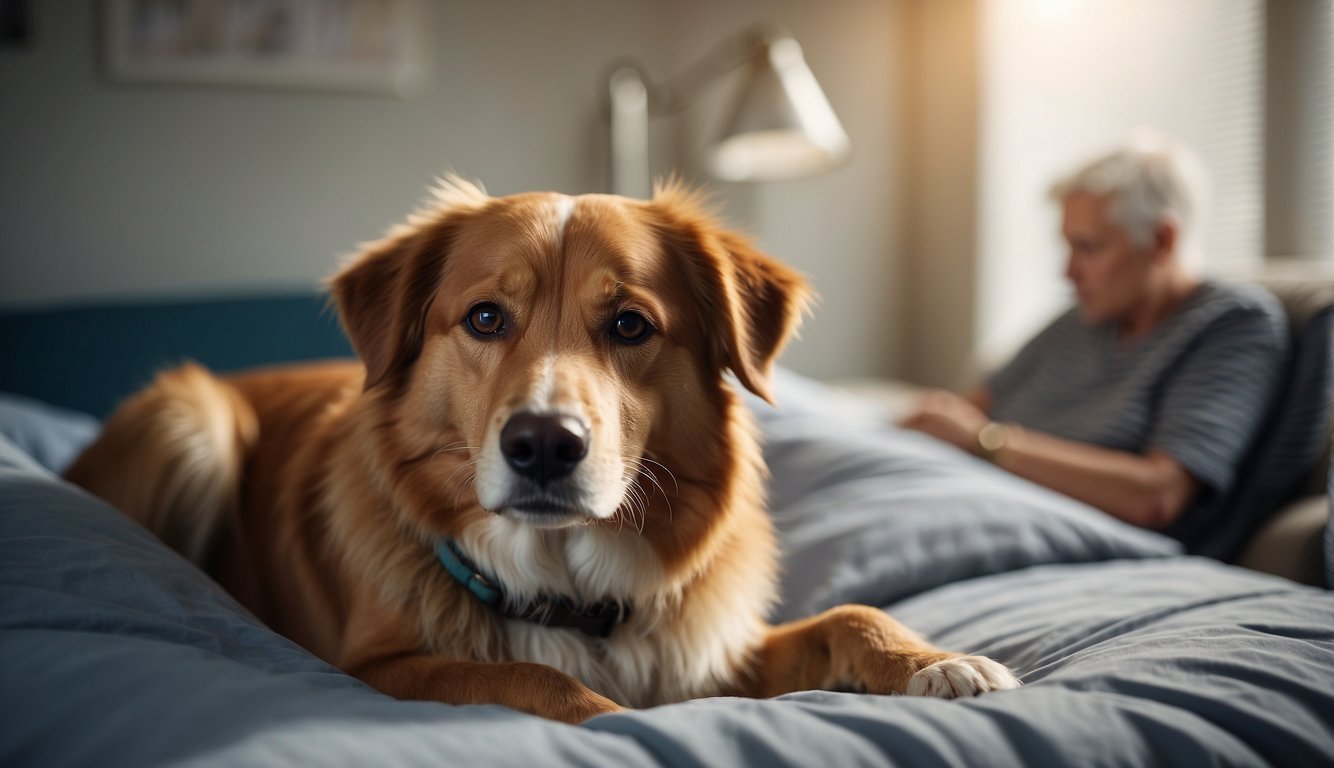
{"x": 383, "y": 294}
{"x": 770, "y": 301}
{"x": 760, "y": 300}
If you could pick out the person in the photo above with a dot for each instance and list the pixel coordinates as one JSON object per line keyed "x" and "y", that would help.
{"x": 1142, "y": 398}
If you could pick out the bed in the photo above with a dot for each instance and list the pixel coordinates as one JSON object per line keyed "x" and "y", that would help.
{"x": 118, "y": 652}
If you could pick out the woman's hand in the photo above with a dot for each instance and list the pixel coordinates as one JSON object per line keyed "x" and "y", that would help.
{"x": 949, "y": 417}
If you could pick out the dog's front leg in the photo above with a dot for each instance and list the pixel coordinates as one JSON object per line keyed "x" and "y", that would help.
{"x": 524, "y": 686}
{"x": 857, "y": 648}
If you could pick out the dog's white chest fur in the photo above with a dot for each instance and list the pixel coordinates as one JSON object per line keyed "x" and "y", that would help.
{"x": 669, "y": 649}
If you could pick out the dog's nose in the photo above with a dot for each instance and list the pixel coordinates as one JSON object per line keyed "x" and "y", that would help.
{"x": 544, "y": 447}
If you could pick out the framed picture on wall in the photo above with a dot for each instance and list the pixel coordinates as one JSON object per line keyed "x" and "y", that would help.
{"x": 369, "y": 46}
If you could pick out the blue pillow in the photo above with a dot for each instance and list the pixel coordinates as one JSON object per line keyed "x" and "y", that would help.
{"x": 118, "y": 651}
{"x": 51, "y": 436}
{"x": 869, "y": 513}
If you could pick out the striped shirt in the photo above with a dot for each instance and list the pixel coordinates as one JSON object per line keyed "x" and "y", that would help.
{"x": 1195, "y": 387}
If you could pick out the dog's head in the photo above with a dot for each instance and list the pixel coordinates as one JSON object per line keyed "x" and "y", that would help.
{"x": 541, "y": 351}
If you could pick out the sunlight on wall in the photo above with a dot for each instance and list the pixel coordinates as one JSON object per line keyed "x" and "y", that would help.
{"x": 1053, "y": 11}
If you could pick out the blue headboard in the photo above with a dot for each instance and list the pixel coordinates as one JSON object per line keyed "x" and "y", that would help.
{"x": 90, "y": 357}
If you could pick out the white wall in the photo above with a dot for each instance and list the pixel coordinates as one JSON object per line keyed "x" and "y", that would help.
{"x": 114, "y": 191}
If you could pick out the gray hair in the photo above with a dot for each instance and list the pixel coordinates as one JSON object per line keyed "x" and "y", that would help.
{"x": 1149, "y": 180}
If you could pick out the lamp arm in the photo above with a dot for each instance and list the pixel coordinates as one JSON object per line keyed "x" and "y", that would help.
{"x": 683, "y": 89}
{"x": 670, "y": 96}
{"x": 632, "y": 99}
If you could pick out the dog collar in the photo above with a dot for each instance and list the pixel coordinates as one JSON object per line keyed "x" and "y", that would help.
{"x": 595, "y": 619}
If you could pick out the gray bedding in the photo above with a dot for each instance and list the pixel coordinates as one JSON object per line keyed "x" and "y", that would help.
{"x": 117, "y": 652}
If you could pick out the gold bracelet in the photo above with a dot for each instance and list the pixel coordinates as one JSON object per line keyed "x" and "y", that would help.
{"x": 992, "y": 439}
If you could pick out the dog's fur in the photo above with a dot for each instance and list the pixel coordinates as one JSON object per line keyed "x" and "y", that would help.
{"x": 316, "y": 493}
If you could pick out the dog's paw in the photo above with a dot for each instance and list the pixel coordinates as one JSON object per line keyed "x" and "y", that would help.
{"x": 580, "y": 705}
{"x": 961, "y": 676}
{"x": 589, "y": 708}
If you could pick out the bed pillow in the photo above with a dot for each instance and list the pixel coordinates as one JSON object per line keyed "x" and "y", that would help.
{"x": 869, "y": 513}
{"x": 114, "y": 645}
{"x": 72, "y": 562}
{"x": 51, "y": 436}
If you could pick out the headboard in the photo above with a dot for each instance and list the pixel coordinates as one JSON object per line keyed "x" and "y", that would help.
{"x": 90, "y": 357}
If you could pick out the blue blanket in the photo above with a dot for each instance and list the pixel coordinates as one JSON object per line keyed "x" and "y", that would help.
{"x": 118, "y": 652}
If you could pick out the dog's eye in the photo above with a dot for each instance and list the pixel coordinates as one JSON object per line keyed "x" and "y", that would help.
{"x": 485, "y": 319}
{"x": 631, "y": 328}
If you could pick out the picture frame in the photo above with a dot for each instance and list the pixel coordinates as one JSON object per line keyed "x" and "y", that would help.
{"x": 363, "y": 46}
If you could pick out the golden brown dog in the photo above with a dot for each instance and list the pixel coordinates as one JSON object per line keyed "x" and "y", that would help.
{"x": 535, "y": 489}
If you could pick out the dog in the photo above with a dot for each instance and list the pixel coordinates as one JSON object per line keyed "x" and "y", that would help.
{"x": 536, "y": 487}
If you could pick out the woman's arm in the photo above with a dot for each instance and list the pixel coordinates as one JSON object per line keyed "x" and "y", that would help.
{"x": 1149, "y": 491}
{"x": 980, "y": 397}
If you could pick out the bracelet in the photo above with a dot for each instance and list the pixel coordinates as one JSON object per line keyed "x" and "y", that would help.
{"x": 992, "y": 439}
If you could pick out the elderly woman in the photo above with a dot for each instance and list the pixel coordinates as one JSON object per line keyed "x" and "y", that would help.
{"x": 1142, "y": 399}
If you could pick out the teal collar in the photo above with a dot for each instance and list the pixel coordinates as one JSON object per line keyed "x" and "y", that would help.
{"x": 597, "y": 619}
{"x": 465, "y": 573}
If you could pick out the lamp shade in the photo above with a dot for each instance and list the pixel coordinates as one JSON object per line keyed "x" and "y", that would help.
{"x": 782, "y": 125}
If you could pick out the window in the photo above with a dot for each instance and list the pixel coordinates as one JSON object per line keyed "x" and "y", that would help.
{"x": 1299, "y": 130}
